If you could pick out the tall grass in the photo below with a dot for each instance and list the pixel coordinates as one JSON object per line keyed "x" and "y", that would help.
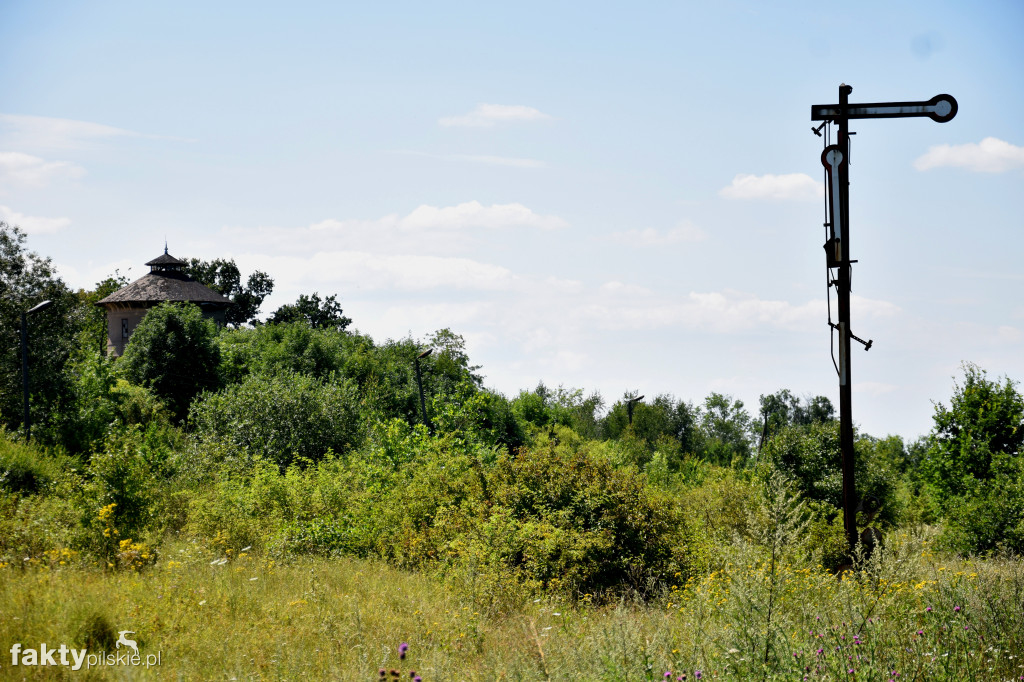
{"x": 214, "y": 614}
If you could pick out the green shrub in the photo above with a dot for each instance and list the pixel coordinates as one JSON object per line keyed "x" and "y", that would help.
{"x": 285, "y": 348}
{"x": 990, "y": 516}
{"x": 174, "y": 352}
{"x": 88, "y": 408}
{"x": 281, "y": 417}
{"x": 569, "y": 522}
{"x": 810, "y": 455}
{"x": 984, "y": 418}
{"x": 24, "y": 469}
{"x": 33, "y": 525}
{"x": 138, "y": 405}
{"x": 241, "y": 508}
{"x": 118, "y": 500}
{"x": 317, "y": 536}
{"x": 543, "y": 407}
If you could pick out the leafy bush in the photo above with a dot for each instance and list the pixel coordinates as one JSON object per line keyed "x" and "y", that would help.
{"x": 990, "y": 516}
{"x": 468, "y": 412}
{"x": 240, "y": 509}
{"x": 663, "y": 416}
{"x": 984, "y": 418}
{"x": 174, "y": 352}
{"x": 726, "y": 428}
{"x": 24, "y": 469}
{"x": 287, "y": 348}
{"x": 88, "y": 408}
{"x": 281, "y": 417}
{"x": 119, "y": 498}
{"x": 811, "y": 456}
{"x": 566, "y": 407}
{"x": 557, "y": 519}
{"x": 138, "y": 405}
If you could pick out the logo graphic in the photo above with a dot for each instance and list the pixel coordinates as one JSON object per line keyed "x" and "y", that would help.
{"x": 76, "y": 659}
{"x": 121, "y": 639}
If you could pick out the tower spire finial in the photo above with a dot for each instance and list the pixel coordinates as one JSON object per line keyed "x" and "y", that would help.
{"x": 165, "y": 245}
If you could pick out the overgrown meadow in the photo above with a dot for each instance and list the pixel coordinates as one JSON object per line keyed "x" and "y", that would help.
{"x": 271, "y": 502}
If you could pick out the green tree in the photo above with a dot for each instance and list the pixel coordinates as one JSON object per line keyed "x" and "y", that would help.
{"x": 810, "y": 456}
{"x": 174, "y": 352}
{"x": 27, "y": 279}
{"x": 726, "y": 430}
{"x": 663, "y": 416}
{"x": 782, "y": 409}
{"x": 224, "y": 277}
{"x": 984, "y": 417}
{"x": 973, "y": 464}
{"x": 565, "y": 406}
{"x": 317, "y": 313}
{"x": 294, "y": 347}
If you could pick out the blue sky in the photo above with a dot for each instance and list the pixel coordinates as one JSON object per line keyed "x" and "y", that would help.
{"x": 607, "y": 196}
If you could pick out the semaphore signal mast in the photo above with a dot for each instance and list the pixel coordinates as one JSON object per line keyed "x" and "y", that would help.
{"x": 836, "y": 160}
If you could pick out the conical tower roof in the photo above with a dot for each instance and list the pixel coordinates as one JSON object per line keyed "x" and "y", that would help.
{"x": 166, "y": 281}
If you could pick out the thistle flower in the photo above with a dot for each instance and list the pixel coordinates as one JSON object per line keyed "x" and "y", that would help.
{"x": 402, "y": 649}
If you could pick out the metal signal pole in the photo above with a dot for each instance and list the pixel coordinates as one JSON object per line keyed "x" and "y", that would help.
{"x": 843, "y": 294}
{"x": 836, "y": 159}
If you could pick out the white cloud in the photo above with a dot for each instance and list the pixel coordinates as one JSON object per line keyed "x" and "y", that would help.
{"x": 624, "y": 306}
{"x": 617, "y": 288}
{"x": 798, "y": 186}
{"x": 441, "y": 230}
{"x": 1006, "y": 334}
{"x": 501, "y": 161}
{"x": 874, "y": 388}
{"x": 362, "y": 271}
{"x": 58, "y": 133}
{"x": 511, "y": 161}
{"x": 474, "y": 214}
{"x": 991, "y": 155}
{"x": 684, "y": 232}
{"x": 872, "y": 307}
{"x": 488, "y": 115}
{"x": 17, "y": 168}
{"x": 33, "y": 224}
{"x": 86, "y": 275}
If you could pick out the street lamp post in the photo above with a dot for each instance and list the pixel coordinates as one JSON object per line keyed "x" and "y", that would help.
{"x": 419, "y": 384}
{"x": 24, "y": 361}
{"x": 629, "y": 407}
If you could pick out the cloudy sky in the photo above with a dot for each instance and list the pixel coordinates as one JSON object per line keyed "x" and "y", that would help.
{"x": 610, "y": 196}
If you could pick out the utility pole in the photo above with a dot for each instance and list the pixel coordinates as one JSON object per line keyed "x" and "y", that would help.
{"x": 24, "y": 362}
{"x": 836, "y": 160}
{"x": 419, "y": 385}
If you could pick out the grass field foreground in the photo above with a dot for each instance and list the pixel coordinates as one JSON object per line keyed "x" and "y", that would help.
{"x": 911, "y": 615}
